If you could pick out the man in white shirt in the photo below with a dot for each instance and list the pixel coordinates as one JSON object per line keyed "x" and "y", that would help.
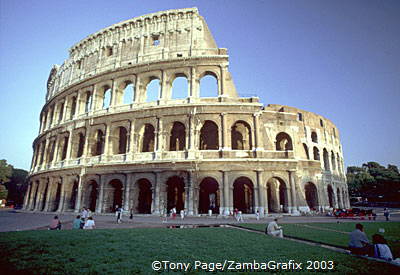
{"x": 89, "y": 224}
{"x": 273, "y": 229}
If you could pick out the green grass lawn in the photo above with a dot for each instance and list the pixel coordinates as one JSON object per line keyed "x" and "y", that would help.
{"x": 130, "y": 251}
{"x": 319, "y": 232}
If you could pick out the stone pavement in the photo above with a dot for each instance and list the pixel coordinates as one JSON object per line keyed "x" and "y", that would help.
{"x": 17, "y": 220}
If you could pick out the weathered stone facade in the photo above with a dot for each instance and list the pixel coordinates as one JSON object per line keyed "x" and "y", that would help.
{"x": 97, "y": 149}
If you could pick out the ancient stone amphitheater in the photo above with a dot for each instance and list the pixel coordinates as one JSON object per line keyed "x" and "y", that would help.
{"x": 114, "y": 131}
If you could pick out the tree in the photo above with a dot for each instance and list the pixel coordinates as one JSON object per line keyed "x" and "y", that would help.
{"x": 17, "y": 186}
{"x": 5, "y": 171}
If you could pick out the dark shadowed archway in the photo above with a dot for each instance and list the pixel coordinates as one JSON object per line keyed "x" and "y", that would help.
{"x": 175, "y": 193}
{"x": 311, "y": 195}
{"x": 243, "y": 195}
{"x": 209, "y": 196}
{"x": 144, "y": 197}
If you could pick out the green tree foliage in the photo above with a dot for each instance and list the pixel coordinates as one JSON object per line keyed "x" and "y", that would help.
{"x": 374, "y": 181}
{"x": 5, "y": 171}
{"x": 17, "y": 185}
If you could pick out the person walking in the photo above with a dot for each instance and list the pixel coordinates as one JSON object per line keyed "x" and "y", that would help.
{"x": 386, "y": 214}
{"x": 118, "y": 213}
{"x": 257, "y": 215}
{"x": 84, "y": 213}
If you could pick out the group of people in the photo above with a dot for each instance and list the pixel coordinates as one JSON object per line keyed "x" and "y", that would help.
{"x": 84, "y": 221}
{"x": 360, "y": 245}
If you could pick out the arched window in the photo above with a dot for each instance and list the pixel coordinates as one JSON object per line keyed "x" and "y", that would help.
{"x": 64, "y": 148}
{"x": 129, "y": 93}
{"x": 61, "y": 112}
{"x": 306, "y": 151}
{"x": 243, "y": 195}
{"x": 311, "y": 195}
{"x": 73, "y": 108}
{"x": 209, "y": 85}
{"x": 331, "y": 196}
{"x": 81, "y": 145}
{"x": 283, "y": 142}
{"x": 148, "y": 138}
{"x": 99, "y": 146}
{"x": 180, "y": 87}
{"x": 88, "y": 102}
{"x": 209, "y": 136}
{"x": 122, "y": 140}
{"x": 316, "y": 153}
{"x": 326, "y": 160}
{"x": 107, "y": 97}
{"x": 177, "y": 140}
{"x": 314, "y": 137}
{"x": 241, "y": 136}
{"x": 153, "y": 90}
{"x": 333, "y": 160}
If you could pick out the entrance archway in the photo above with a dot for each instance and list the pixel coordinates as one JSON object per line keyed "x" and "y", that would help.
{"x": 90, "y": 195}
{"x": 144, "y": 197}
{"x": 175, "y": 193}
{"x": 243, "y": 195}
{"x": 74, "y": 193}
{"x": 311, "y": 195}
{"x": 331, "y": 196}
{"x": 277, "y": 195}
{"x": 114, "y": 195}
{"x": 209, "y": 196}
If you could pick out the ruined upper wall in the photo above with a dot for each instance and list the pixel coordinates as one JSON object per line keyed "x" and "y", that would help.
{"x": 159, "y": 36}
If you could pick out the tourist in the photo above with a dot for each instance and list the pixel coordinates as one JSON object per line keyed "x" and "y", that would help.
{"x": 89, "y": 224}
{"x": 239, "y": 216}
{"x": 131, "y": 214}
{"x": 118, "y": 213}
{"x": 173, "y": 213}
{"x": 55, "y": 224}
{"x": 82, "y": 222}
{"x": 257, "y": 215}
{"x": 76, "y": 224}
{"x": 273, "y": 229}
{"x": 89, "y": 213}
{"x": 84, "y": 213}
{"x": 381, "y": 249}
{"x": 386, "y": 214}
{"x": 359, "y": 243}
{"x": 182, "y": 213}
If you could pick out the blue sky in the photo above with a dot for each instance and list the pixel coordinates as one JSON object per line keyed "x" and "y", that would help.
{"x": 340, "y": 59}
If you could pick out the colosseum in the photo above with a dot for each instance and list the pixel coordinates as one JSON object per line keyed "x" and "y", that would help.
{"x": 114, "y": 131}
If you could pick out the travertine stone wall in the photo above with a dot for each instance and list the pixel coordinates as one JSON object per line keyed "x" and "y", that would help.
{"x": 195, "y": 153}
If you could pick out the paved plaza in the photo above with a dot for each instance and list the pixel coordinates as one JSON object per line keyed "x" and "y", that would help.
{"x": 16, "y": 220}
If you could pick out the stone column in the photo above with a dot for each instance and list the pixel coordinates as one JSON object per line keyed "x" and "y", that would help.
{"x": 78, "y": 199}
{"x": 293, "y": 192}
{"x": 260, "y": 193}
{"x": 226, "y": 192}
{"x": 257, "y": 135}
{"x": 224, "y": 132}
{"x": 32, "y": 198}
{"x": 194, "y": 84}
{"x": 69, "y": 146}
{"x": 130, "y": 181}
{"x": 49, "y": 195}
{"x": 190, "y": 193}
{"x": 60, "y": 207}
{"x": 39, "y": 197}
{"x": 156, "y": 193}
{"x": 26, "y": 197}
{"x": 107, "y": 142}
{"x": 126, "y": 192}
{"x": 99, "y": 206}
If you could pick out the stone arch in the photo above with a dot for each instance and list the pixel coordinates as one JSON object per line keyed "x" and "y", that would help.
{"x": 314, "y": 137}
{"x": 283, "y": 142}
{"x": 331, "y": 196}
{"x": 98, "y": 146}
{"x": 57, "y": 198}
{"x": 148, "y": 138}
{"x": 74, "y": 195}
{"x": 277, "y": 195}
{"x": 241, "y": 136}
{"x": 144, "y": 196}
{"x": 177, "y": 140}
{"x": 316, "y": 153}
{"x": 64, "y": 146}
{"x": 129, "y": 93}
{"x": 311, "y": 195}
{"x": 209, "y": 197}
{"x": 113, "y": 195}
{"x": 326, "y": 160}
{"x": 208, "y": 84}
{"x": 306, "y": 152}
{"x": 338, "y": 163}
{"x": 339, "y": 198}
{"x": 73, "y": 107}
{"x": 175, "y": 193}
{"x": 107, "y": 96}
{"x": 88, "y": 101}
{"x": 120, "y": 140}
{"x": 180, "y": 86}
{"x": 243, "y": 195}
{"x": 209, "y": 136}
{"x": 153, "y": 89}
{"x": 333, "y": 161}
{"x": 90, "y": 195}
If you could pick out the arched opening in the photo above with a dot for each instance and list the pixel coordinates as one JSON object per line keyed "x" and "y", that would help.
{"x": 74, "y": 194}
{"x": 129, "y": 93}
{"x": 314, "y": 137}
{"x": 81, "y": 145}
{"x": 61, "y": 112}
{"x": 177, "y": 140}
{"x": 148, "y": 138}
{"x": 144, "y": 197}
{"x": 209, "y": 136}
{"x": 41, "y": 207}
{"x": 88, "y": 102}
{"x": 90, "y": 195}
{"x": 122, "y": 140}
{"x": 311, "y": 195}
{"x": 153, "y": 90}
{"x": 209, "y": 85}
{"x": 175, "y": 193}
{"x": 209, "y": 196}
{"x": 339, "y": 198}
{"x": 283, "y": 142}
{"x": 107, "y": 97}
{"x": 180, "y": 87}
{"x": 99, "y": 145}
{"x": 326, "y": 160}
{"x": 52, "y": 150}
{"x": 57, "y": 198}
{"x": 64, "y": 147}
{"x": 306, "y": 152}
{"x": 243, "y": 195}
{"x": 331, "y": 196}
{"x": 113, "y": 196}
{"x": 316, "y": 153}
{"x": 241, "y": 136}
{"x": 338, "y": 163}
{"x": 73, "y": 108}
{"x": 333, "y": 161}
{"x": 277, "y": 195}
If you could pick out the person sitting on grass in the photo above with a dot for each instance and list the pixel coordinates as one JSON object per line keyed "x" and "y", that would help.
{"x": 55, "y": 224}
{"x": 273, "y": 229}
{"x": 89, "y": 224}
{"x": 359, "y": 243}
{"x": 76, "y": 224}
{"x": 381, "y": 249}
